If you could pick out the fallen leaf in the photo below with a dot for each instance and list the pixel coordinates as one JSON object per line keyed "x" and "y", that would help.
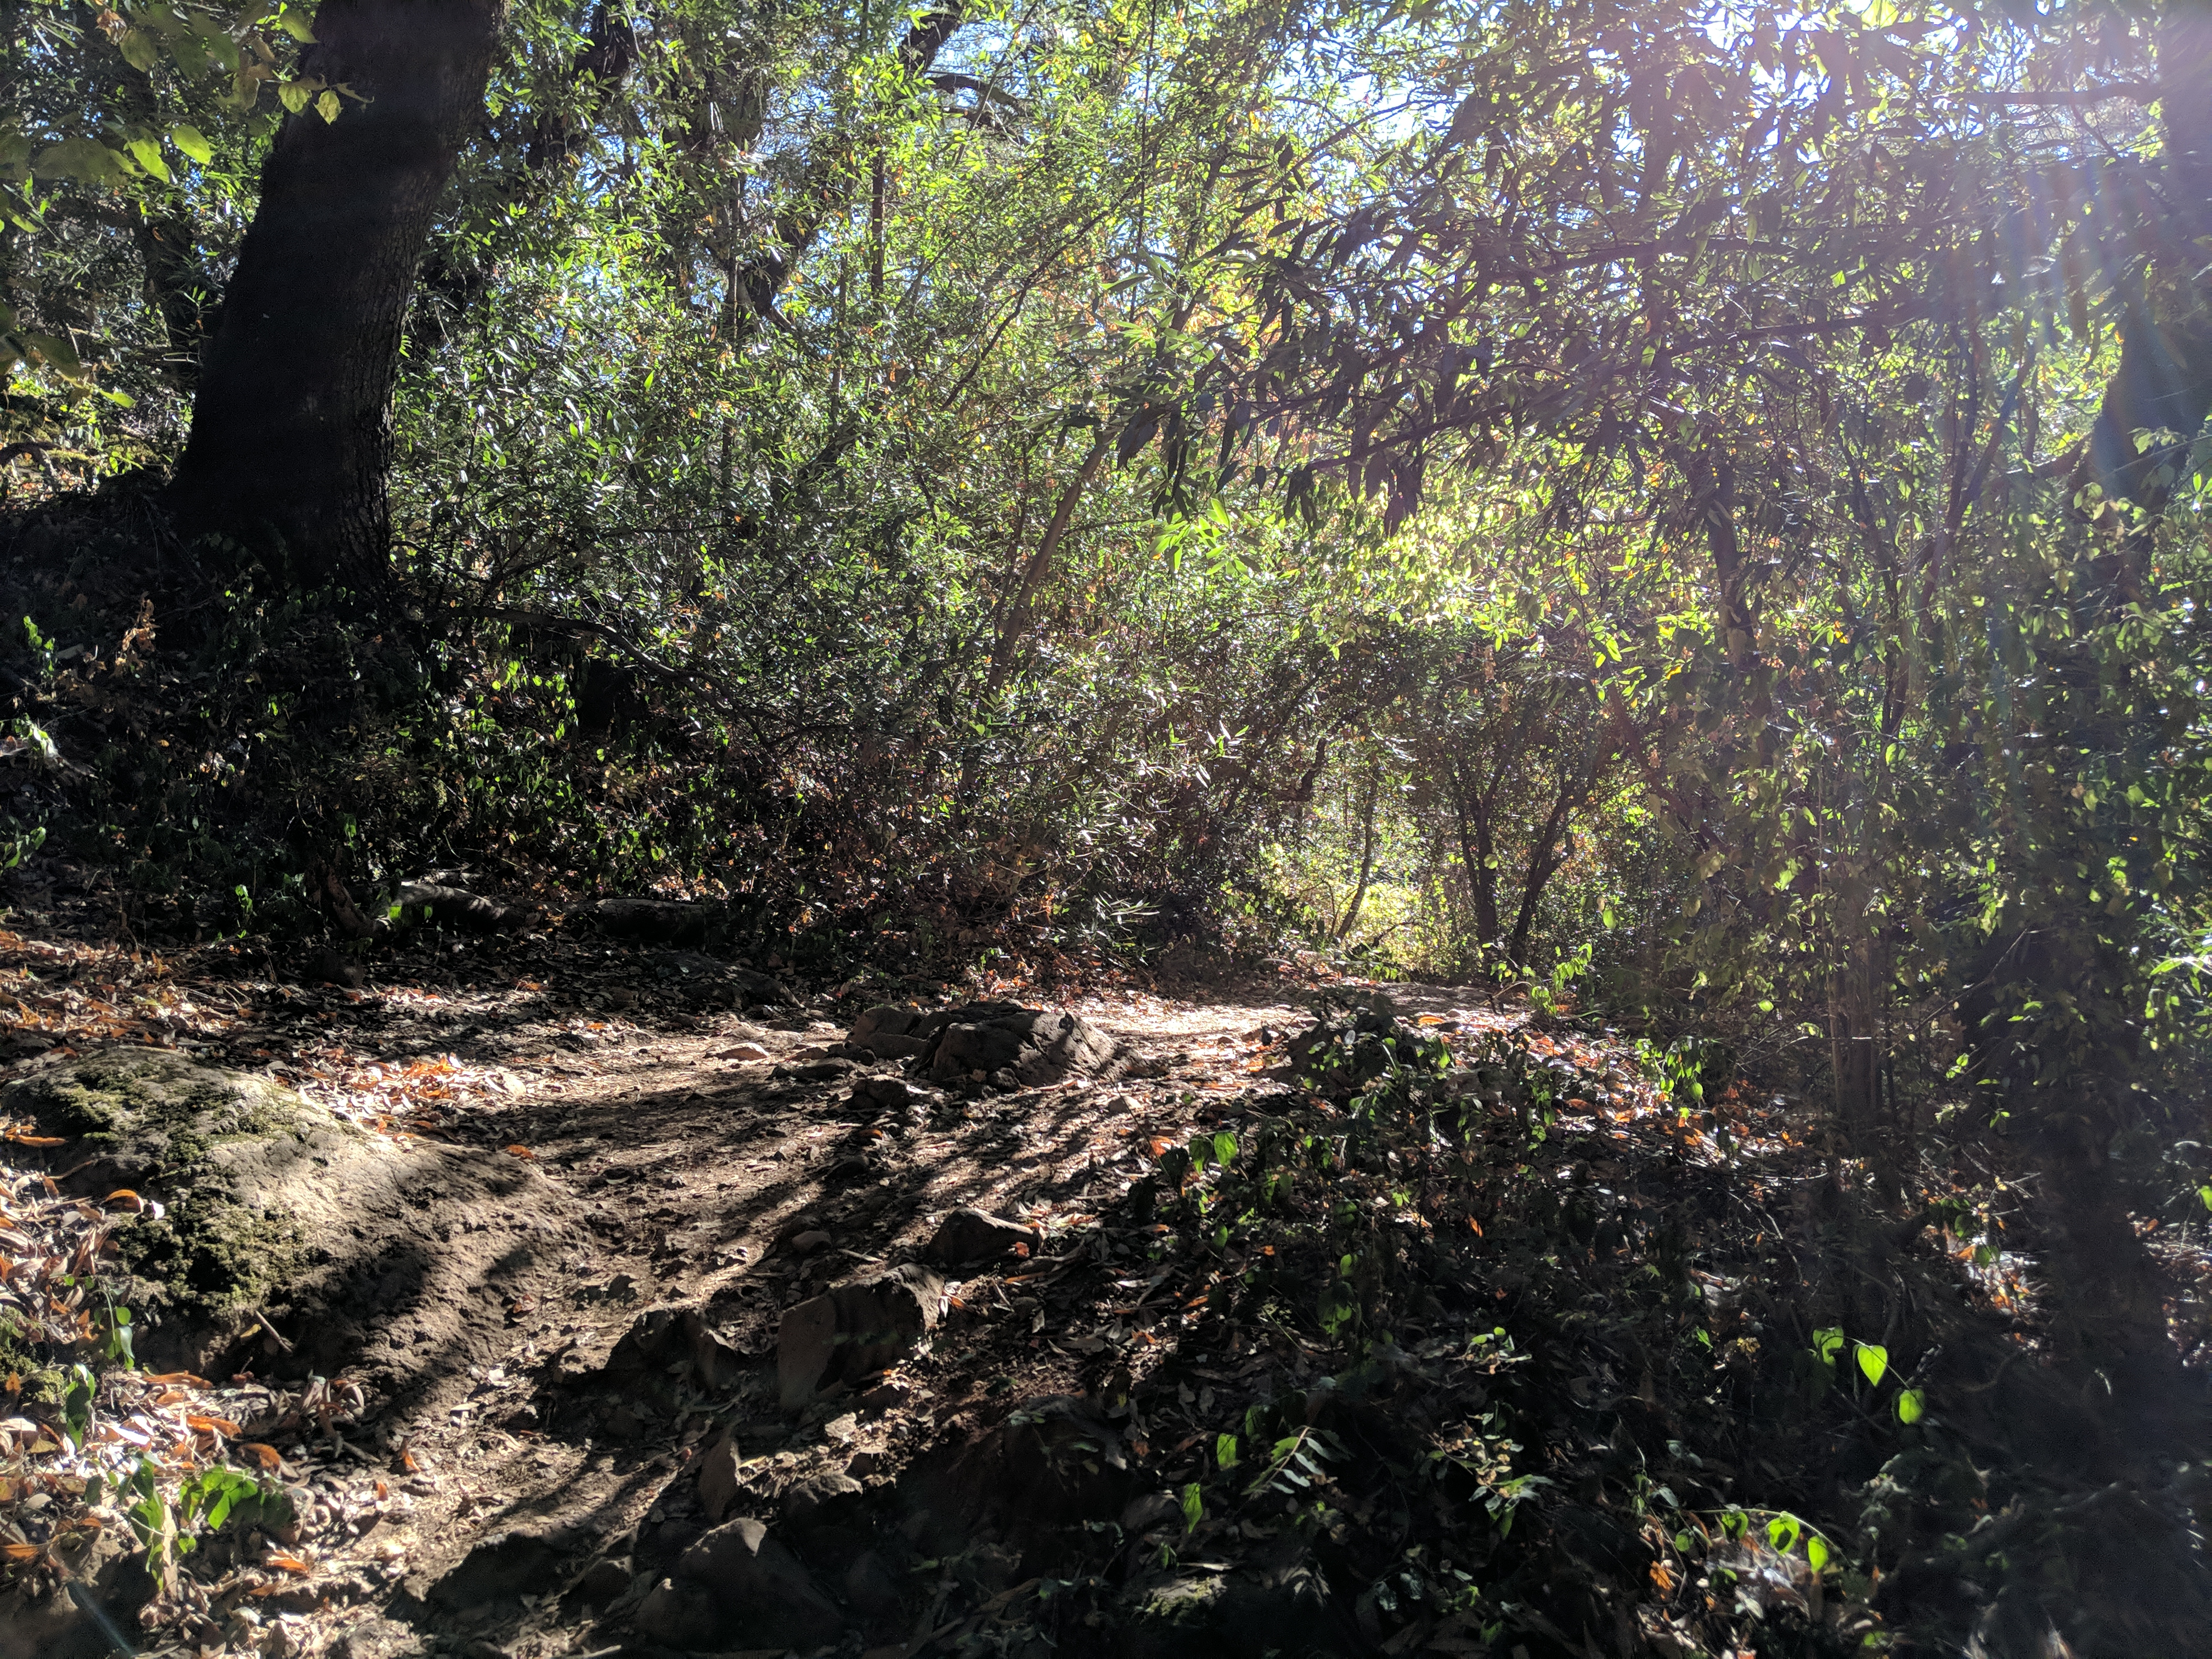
{"x": 267, "y": 1456}
{"x": 521, "y": 1152}
{"x": 212, "y": 1425}
{"x": 289, "y": 1563}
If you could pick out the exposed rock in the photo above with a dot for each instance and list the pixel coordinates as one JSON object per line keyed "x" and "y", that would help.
{"x": 816, "y": 1071}
{"x": 820, "y": 1498}
{"x": 420, "y": 902}
{"x": 873, "y": 1591}
{"x": 1054, "y": 1461}
{"x": 274, "y": 1207}
{"x": 1033, "y": 1046}
{"x": 505, "y": 1564}
{"x": 639, "y": 1368}
{"x": 605, "y": 1581}
{"x": 722, "y": 1476}
{"x": 888, "y": 1031}
{"x": 807, "y": 1243}
{"x": 973, "y": 1234}
{"x": 663, "y": 922}
{"x": 325, "y": 966}
{"x": 854, "y": 1330}
{"x": 1282, "y": 1606}
{"x": 738, "y": 1588}
{"x": 884, "y": 1093}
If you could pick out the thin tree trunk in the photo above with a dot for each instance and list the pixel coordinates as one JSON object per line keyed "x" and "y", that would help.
{"x": 291, "y": 431}
{"x": 1038, "y": 570}
{"x": 1366, "y": 858}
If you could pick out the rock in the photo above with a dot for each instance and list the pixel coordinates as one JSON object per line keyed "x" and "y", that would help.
{"x": 722, "y": 1476}
{"x": 821, "y": 1499}
{"x": 605, "y": 1581}
{"x": 663, "y": 922}
{"x": 973, "y": 1234}
{"x": 1033, "y": 1046}
{"x": 884, "y": 1093}
{"x": 738, "y": 1588}
{"x": 418, "y": 903}
{"x": 1054, "y": 1461}
{"x": 501, "y": 1566}
{"x": 744, "y": 1051}
{"x": 854, "y": 1330}
{"x": 887, "y": 1031}
{"x": 1279, "y": 1605}
{"x": 274, "y": 1207}
{"x": 327, "y": 966}
{"x": 807, "y": 1244}
{"x": 872, "y": 1591}
{"x": 816, "y": 1071}
{"x": 639, "y": 1367}
{"x": 1147, "y": 1509}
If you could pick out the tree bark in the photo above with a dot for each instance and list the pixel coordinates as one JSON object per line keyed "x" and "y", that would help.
{"x": 2164, "y": 379}
{"x": 291, "y": 429}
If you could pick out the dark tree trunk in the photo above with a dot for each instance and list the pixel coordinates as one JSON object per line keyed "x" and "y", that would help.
{"x": 291, "y": 432}
{"x": 2164, "y": 379}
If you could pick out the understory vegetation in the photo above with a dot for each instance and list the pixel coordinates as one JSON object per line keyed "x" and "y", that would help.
{"x": 1685, "y": 518}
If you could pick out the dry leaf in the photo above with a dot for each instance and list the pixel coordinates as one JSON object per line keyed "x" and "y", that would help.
{"x": 521, "y": 1152}
{"x": 267, "y": 1456}
{"x": 212, "y": 1426}
{"x": 19, "y": 1552}
{"x": 289, "y": 1563}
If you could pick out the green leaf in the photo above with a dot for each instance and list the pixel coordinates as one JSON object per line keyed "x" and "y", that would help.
{"x": 1874, "y": 1361}
{"x": 295, "y": 94}
{"x": 1225, "y": 1450}
{"x": 1224, "y": 1149}
{"x": 147, "y": 152}
{"x": 1194, "y": 1507}
{"x": 327, "y": 106}
{"x": 188, "y": 139}
{"x": 294, "y": 23}
{"x": 1828, "y": 1343}
{"x": 2205, "y": 1193}
{"x": 1816, "y": 1551}
{"x": 140, "y": 50}
{"x": 1911, "y": 1405}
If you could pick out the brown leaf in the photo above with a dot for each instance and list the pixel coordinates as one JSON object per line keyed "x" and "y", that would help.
{"x": 289, "y": 1563}
{"x": 267, "y": 1456}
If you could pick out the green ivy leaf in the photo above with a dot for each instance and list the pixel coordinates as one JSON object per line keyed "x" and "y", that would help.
{"x": 1816, "y": 1551}
{"x": 1874, "y": 1361}
{"x": 1911, "y": 1405}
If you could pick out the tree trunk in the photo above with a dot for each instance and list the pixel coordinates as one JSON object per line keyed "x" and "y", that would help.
{"x": 2164, "y": 379}
{"x": 291, "y": 427}
{"x": 1366, "y": 857}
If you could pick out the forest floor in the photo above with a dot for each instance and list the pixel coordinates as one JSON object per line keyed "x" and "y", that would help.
{"x": 508, "y": 1453}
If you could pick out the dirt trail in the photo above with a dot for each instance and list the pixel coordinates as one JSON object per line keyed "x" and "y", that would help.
{"x": 685, "y": 1148}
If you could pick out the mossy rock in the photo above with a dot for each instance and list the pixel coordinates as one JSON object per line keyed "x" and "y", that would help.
{"x": 275, "y": 1214}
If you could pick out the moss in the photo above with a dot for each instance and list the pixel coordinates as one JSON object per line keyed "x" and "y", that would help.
{"x": 212, "y": 1254}
{"x": 161, "y": 1118}
{"x": 154, "y": 1104}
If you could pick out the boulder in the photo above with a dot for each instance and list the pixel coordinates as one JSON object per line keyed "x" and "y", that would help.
{"x": 722, "y": 1476}
{"x": 973, "y": 1234}
{"x": 854, "y": 1330}
{"x": 1281, "y": 1606}
{"x": 273, "y": 1208}
{"x": 738, "y": 1588}
{"x": 501, "y": 1567}
{"x": 887, "y": 1031}
{"x": 1033, "y": 1047}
